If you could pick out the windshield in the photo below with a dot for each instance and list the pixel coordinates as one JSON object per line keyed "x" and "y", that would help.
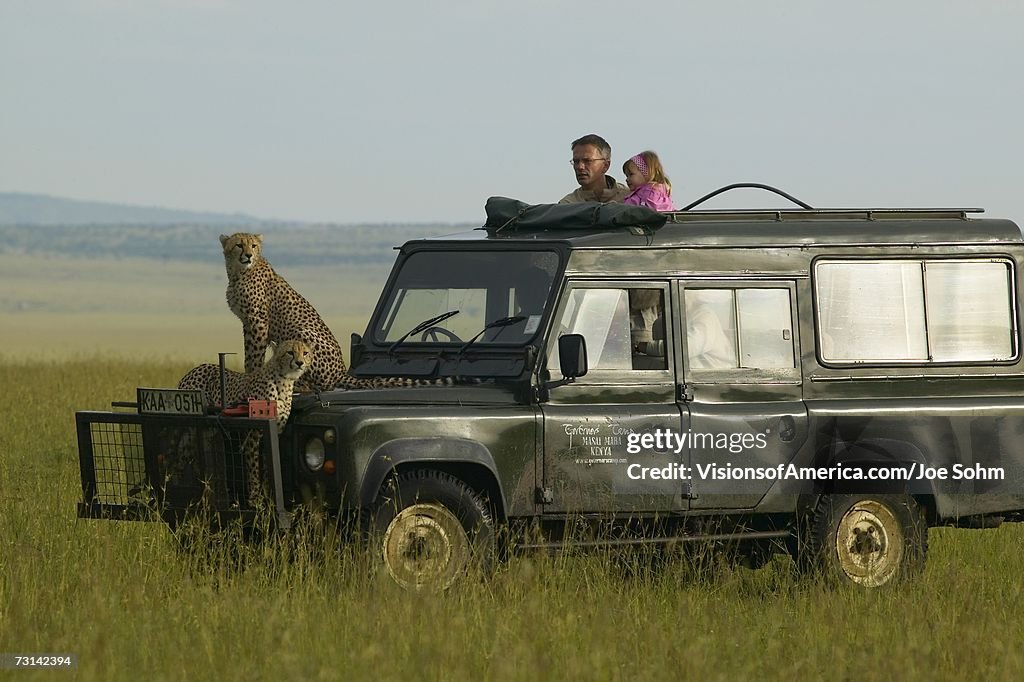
{"x": 483, "y": 286}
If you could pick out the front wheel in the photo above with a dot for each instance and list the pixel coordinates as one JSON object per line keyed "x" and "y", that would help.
{"x": 869, "y": 540}
{"x": 430, "y": 529}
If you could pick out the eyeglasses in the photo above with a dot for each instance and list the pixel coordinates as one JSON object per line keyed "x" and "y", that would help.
{"x": 585, "y": 162}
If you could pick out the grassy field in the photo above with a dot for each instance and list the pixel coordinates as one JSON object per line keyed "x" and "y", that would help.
{"x": 129, "y": 604}
{"x": 57, "y": 306}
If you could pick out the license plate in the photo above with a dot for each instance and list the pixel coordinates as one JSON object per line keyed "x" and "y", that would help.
{"x": 170, "y": 401}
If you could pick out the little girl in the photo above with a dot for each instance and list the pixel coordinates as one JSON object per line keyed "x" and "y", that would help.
{"x": 648, "y": 182}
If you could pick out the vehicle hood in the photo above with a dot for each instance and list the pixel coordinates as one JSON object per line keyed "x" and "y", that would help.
{"x": 411, "y": 395}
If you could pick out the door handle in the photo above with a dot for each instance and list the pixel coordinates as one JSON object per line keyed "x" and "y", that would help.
{"x": 787, "y": 429}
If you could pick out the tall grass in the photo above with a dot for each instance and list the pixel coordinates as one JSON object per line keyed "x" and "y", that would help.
{"x": 130, "y": 604}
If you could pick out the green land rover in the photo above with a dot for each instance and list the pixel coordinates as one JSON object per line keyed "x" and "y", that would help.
{"x": 827, "y": 383}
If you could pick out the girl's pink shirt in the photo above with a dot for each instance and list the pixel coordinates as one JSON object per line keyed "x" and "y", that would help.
{"x": 652, "y": 195}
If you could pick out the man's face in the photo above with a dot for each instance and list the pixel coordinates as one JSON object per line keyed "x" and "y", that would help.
{"x": 590, "y": 166}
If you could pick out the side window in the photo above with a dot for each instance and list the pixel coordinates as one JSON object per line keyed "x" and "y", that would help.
{"x": 917, "y": 311}
{"x": 857, "y": 322}
{"x": 969, "y": 311}
{"x": 743, "y": 329}
{"x": 624, "y": 327}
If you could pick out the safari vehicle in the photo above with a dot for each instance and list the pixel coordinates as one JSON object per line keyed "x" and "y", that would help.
{"x": 866, "y": 385}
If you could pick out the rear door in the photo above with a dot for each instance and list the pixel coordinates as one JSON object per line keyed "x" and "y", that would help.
{"x": 740, "y": 358}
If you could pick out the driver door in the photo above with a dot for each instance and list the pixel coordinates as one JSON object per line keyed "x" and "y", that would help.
{"x": 589, "y": 425}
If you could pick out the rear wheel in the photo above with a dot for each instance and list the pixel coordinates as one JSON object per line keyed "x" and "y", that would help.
{"x": 868, "y": 540}
{"x": 430, "y": 529}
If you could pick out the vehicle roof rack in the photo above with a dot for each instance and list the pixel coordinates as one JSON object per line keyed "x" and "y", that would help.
{"x": 806, "y": 211}
{"x": 780, "y": 215}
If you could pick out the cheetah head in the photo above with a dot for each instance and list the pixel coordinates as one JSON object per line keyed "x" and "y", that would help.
{"x": 291, "y": 358}
{"x": 241, "y": 250}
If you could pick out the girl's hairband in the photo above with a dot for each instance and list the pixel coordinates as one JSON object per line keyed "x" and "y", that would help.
{"x": 640, "y": 163}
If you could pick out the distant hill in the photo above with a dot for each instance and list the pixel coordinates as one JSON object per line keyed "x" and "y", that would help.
{"x": 283, "y": 244}
{"x": 40, "y": 209}
{"x": 39, "y": 224}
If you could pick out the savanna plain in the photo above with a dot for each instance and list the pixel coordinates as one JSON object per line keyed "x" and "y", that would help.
{"x": 79, "y": 331}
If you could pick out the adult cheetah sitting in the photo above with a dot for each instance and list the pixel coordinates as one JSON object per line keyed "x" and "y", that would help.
{"x": 272, "y": 311}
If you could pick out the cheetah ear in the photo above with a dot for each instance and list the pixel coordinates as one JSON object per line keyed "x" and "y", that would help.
{"x": 259, "y": 238}
{"x": 224, "y": 240}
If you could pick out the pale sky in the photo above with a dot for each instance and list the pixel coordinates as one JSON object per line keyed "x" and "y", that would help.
{"x": 342, "y": 111}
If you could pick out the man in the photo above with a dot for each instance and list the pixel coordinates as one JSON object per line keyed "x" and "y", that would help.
{"x": 591, "y": 159}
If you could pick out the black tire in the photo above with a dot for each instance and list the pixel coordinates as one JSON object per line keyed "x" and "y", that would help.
{"x": 430, "y": 529}
{"x": 866, "y": 540}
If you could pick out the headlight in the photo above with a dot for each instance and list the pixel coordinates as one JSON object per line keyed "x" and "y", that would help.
{"x": 314, "y": 454}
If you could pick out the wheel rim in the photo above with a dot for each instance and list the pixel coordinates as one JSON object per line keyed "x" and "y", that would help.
{"x": 869, "y": 543}
{"x": 425, "y": 546}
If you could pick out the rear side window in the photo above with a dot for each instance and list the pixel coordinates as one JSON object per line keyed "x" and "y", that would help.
{"x": 739, "y": 331}
{"x": 729, "y": 329}
{"x": 915, "y": 311}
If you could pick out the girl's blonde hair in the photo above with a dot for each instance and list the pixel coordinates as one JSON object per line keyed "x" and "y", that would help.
{"x": 650, "y": 165}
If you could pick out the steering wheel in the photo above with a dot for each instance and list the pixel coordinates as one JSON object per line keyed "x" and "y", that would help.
{"x": 434, "y": 334}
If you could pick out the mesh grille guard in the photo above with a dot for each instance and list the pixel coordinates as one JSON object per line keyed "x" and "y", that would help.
{"x": 150, "y": 467}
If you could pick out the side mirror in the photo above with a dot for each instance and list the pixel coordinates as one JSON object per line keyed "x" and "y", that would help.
{"x": 572, "y": 355}
{"x": 572, "y": 362}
